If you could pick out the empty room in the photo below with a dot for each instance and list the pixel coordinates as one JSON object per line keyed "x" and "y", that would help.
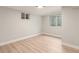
{"x": 39, "y": 29}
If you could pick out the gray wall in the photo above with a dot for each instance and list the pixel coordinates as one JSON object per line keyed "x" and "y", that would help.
{"x": 13, "y": 27}
{"x": 70, "y": 27}
{"x": 51, "y": 30}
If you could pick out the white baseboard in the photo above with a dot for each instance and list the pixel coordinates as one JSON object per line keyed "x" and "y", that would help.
{"x": 70, "y": 45}
{"x": 53, "y": 35}
{"x": 22, "y": 38}
{"x": 18, "y": 39}
{"x": 66, "y": 44}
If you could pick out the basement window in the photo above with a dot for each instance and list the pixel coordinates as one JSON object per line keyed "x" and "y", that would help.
{"x": 55, "y": 20}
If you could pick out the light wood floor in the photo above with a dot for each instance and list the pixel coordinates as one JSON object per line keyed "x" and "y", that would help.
{"x": 38, "y": 44}
{"x": 67, "y": 49}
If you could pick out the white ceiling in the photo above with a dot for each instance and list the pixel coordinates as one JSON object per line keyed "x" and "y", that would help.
{"x": 48, "y": 10}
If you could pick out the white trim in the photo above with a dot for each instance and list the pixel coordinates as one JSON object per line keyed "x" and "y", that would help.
{"x": 70, "y": 45}
{"x": 18, "y": 39}
{"x": 53, "y": 35}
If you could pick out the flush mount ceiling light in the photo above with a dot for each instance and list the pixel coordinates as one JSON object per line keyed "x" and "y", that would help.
{"x": 40, "y": 6}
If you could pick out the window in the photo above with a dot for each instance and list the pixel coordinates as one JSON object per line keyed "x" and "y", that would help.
{"x": 55, "y": 20}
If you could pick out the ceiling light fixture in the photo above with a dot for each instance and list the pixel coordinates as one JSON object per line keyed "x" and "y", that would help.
{"x": 40, "y": 6}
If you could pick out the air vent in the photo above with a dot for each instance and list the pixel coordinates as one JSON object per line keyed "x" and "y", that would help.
{"x": 24, "y": 16}
{"x": 27, "y": 16}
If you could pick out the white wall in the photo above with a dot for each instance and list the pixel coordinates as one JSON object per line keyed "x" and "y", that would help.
{"x": 71, "y": 25}
{"x": 51, "y": 30}
{"x": 13, "y": 27}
